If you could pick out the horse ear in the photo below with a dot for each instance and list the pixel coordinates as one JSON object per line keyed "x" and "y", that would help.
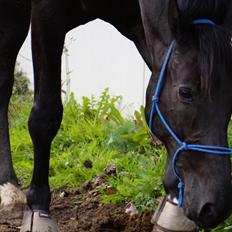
{"x": 174, "y": 17}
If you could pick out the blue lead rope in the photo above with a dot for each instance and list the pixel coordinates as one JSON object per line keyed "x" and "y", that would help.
{"x": 183, "y": 146}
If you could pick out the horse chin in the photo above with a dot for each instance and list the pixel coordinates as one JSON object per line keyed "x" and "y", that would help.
{"x": 13, "y": 202}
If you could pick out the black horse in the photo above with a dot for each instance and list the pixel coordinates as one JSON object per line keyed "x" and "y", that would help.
{"x": 196, "y": 99}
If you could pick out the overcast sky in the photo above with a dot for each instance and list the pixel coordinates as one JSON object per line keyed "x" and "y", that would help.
{"x": 99, "y": 57}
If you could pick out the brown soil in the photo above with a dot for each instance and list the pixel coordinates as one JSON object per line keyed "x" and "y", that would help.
{"x": 78, "y": 213}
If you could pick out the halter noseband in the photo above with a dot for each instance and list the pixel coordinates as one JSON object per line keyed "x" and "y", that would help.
{"x": 183, "y": 146}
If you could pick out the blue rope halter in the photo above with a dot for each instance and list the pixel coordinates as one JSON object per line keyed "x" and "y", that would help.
{"x": 183, "y": 146}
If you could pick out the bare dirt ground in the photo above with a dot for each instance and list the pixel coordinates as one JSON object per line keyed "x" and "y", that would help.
{"x": 77, "y": 213}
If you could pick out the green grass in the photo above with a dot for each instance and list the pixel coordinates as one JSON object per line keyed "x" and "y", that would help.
{"x": 95, "y": 130}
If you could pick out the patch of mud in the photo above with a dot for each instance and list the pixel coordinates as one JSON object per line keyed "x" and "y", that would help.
{"x": 78, "y": 213}
{"x": 89, "y": 215}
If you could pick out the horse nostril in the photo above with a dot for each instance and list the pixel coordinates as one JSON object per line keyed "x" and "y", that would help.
{"x": 207, "y": 215}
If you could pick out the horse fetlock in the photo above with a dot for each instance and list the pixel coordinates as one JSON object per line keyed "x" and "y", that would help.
{"x": 38, "y": 221}
{"x": 10, "y": 195}
{"x": 39, "y": 198}
{"x": 13, "y": 202}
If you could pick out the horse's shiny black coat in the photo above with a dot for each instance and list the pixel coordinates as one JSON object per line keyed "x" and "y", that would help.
{"x": 196, "y": 99}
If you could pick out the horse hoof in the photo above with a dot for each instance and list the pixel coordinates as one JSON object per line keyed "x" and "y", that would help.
{"x": 38, "y": 221}
{"x": 168, "y": 217}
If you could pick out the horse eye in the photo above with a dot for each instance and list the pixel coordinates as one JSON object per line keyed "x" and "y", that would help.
{"x": 186, "y": 94}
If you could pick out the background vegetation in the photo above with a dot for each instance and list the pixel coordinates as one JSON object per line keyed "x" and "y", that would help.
{"x": 94, "y": 131}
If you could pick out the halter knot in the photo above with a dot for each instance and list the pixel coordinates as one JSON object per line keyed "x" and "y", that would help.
{"x": 155, "y": 99}
{"x": 184, "y": 146}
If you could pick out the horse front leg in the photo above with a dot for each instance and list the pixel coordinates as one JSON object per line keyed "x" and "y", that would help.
{"x": 12, "y": 199}
{"x": 14, "y": 25}
{"x": 48, "y": 32}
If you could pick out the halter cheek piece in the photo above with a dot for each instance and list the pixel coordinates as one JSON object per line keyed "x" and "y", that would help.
{"x": 183, "y": 146}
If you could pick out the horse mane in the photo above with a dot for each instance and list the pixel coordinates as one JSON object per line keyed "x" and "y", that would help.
{"x": 212, "y": 42}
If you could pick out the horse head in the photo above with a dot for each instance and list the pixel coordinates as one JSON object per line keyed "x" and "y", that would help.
{"x": 196, "y": 101}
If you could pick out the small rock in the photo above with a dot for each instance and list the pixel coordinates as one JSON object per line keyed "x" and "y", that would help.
{"x": 131, "y": 209}
{"x": 64, "y": 194}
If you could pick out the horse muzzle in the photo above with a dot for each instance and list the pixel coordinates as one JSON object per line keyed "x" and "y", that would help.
{"x": 209, "y": 213}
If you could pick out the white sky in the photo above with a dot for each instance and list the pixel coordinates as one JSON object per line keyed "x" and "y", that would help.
{"x": 99, "y": 57}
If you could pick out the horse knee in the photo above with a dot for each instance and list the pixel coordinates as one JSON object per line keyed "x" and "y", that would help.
{"x": 45, "y": 120}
